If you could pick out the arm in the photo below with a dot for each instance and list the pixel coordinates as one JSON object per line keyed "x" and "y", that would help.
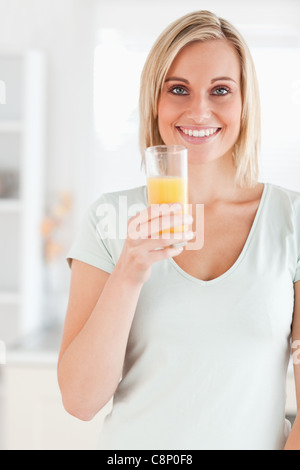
{"x": 98, "y": 320}
{"x": 293, "y": 442}
{"x": 99, "y": 317}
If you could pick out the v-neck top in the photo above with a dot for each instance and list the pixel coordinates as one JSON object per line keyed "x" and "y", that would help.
{"x": 206, "y": 361}
{"x": 242, "y": 254}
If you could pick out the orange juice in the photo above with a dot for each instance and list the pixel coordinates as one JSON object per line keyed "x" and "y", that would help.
{"x": 168, "y": 190}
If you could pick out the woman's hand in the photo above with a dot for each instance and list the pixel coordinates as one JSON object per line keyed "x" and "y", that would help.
{"x": 145, "y": 244}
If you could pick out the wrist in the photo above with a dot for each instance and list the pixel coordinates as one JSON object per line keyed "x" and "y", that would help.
{"x": 126, "y": 279}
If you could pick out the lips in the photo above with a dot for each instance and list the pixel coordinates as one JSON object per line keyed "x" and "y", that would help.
{"x": 198, "y": 135}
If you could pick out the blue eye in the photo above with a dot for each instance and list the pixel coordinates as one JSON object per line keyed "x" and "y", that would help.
{"x": 178, "y": 90}
{"x": 221, "y": 91}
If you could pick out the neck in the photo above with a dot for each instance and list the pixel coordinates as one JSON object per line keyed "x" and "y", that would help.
{"x": 213, "y": 181}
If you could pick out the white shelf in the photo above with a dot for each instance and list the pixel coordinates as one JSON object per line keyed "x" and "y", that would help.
{"x": 10, "y": 127}
{"x": 22, "y": 150}
{"x": 10, "y": 206}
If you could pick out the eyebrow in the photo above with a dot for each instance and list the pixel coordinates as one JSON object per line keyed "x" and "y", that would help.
{"x": 178, "y": 79}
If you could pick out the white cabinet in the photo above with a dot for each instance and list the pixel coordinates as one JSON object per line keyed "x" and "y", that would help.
{"x": 34, "y": 417}
{"x": 22, "y": 156}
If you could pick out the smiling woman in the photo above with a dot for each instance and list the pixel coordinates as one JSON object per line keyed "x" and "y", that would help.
{"x": 193, "y": 345}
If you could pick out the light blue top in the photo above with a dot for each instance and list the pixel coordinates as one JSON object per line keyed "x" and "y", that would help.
{"x": 206, "y": 361}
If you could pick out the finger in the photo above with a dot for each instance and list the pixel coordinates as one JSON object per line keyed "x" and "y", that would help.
{"x": 155, "y": 211}
{"x": 156, "y": 227}
{"x": 165, "y": 253}
{"x": 170, "y": 240}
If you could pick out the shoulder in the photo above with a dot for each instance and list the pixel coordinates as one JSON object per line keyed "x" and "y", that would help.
{"x": 284, "y": 198}
{"x": 282, "y": 212}
{"x": 110, "y": 213}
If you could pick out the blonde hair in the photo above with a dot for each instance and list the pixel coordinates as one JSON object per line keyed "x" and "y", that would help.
{"x": 203, "y": 26}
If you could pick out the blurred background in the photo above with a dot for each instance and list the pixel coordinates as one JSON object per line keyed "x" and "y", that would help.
{"x": 69, "y": 86}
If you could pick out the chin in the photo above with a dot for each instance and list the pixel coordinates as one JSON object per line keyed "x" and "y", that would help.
{"x": 195, "y": 157}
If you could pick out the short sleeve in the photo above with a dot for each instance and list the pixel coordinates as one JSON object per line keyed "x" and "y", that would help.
{"x": 88, "y": 246}
{"x": 297, "y": 277}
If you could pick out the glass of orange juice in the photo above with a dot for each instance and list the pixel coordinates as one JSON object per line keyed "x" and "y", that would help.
{"x": 167, "y": 177}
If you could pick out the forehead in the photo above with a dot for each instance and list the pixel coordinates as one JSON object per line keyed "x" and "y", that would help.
{"x": 209, "y": 59}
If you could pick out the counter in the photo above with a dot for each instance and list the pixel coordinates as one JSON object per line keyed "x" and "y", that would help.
{"x": 41, "y": 347}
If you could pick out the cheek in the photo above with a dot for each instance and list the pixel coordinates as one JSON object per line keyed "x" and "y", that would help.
{"x": 169, "y": 109}
{"x": 165, "y": 116}
{"x": 232, "y": 115}
{"x": 238, "y": 119}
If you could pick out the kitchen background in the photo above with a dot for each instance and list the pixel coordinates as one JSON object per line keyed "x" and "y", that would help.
{"x": 69, "y": 85}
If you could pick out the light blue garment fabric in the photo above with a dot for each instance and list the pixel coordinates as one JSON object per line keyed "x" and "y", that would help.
{"x": 206, "y": 361}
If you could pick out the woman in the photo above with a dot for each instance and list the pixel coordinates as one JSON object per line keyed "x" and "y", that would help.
{"x": 193, "y": 345}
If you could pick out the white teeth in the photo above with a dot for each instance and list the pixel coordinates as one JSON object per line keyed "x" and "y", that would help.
{"x": 200, "y": 133}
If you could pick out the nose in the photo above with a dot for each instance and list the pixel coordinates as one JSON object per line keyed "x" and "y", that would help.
{"x": 199, "y": 110}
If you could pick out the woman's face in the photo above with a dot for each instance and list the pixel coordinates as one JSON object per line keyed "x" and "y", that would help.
{"x": 200, "y": 105}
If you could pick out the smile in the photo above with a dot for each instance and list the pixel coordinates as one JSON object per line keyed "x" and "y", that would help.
{"x": 198, "y": 135}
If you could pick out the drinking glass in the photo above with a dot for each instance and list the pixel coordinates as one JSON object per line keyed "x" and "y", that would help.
{"x": 167, "y": 177}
